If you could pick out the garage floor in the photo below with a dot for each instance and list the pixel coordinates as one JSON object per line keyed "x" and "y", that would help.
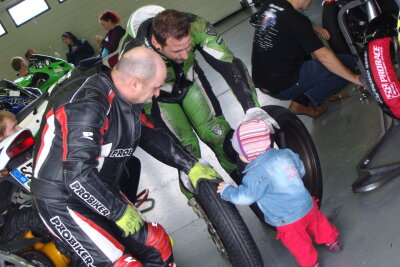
{"x": 368, "y": 222}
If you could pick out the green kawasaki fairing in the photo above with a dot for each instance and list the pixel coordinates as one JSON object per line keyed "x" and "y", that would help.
{"x": 44, "y": 71}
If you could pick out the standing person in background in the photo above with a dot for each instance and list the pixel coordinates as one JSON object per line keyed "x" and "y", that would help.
{"x": 29, "y": 52}
{"x": 109, "y": 20}
{"x": 18, "y": 64}
{"x": 78, "y": 49}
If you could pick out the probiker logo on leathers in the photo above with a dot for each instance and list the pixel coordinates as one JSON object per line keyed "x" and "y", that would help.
{"x": 71, "y": 240}
{"x": 120, "y": 153}
{"x": 88, "y": 198}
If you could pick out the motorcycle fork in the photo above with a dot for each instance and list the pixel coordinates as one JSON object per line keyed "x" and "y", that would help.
{"x": 372, "y": 10}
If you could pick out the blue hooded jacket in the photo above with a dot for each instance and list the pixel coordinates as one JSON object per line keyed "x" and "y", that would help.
{"x": 274, "y": 181}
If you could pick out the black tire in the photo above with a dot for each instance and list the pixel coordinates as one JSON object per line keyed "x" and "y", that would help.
{"x": 294, "y": 135}
{"x": 330, "y": 23}
{"x": 240, "y": 246}
{"x": 37, "y": 258}
{"x": 21, "y": 220}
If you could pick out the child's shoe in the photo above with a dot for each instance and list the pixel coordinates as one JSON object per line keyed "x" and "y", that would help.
{"x": 335, "y": 246}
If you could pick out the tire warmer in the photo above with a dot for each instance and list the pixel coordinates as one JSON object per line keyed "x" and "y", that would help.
{"x": 381, "y": 76}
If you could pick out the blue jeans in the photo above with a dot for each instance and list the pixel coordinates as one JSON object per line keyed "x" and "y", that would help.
{"x": 316, "y": 81}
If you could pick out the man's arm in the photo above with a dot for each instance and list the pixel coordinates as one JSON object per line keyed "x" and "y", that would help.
{"x": 82, "y": 126}
{"x": 214, "y": 50}
{"x": 160, "y": 143}
{"x": 322, "y": 32}
{"x": 333, "y": 64}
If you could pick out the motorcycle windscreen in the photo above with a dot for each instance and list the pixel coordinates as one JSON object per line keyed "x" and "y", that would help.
{"x": 382, "y": 77}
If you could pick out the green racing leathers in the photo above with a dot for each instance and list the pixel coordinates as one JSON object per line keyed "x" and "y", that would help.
{"x": 187, "y": 103}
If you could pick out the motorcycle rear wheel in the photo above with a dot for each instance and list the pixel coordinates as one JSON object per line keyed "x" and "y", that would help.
{"x": 36, "y": 258}
{"x": 294, "y": 135}
{"x": 18, "y": 222}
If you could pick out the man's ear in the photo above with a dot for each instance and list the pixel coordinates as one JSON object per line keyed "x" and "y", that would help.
{"x": 155, "y": 43}
{"x": 134, "y": 83}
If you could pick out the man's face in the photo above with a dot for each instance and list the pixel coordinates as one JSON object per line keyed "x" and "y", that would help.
{"x": 24, "y": 66}
{"x": 147, "y": 89}
{"x": 11, "y": 127}
{"x": 177, "y": 50}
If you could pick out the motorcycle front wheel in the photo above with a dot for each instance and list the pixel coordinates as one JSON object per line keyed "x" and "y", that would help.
{"x": 227, "y": 227}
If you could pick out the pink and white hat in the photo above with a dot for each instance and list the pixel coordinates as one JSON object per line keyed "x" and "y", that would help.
{"x": 251, "y": 139}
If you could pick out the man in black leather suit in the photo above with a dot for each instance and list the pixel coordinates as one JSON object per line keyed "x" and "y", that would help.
{"x": 90, "y": 129}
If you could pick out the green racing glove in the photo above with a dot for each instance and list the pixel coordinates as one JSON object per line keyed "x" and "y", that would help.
{"x": 201, "y": 171}
{"x": 130, "y": 222}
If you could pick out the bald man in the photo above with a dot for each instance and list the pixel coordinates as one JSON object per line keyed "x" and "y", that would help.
{"x": 90, "y": 130}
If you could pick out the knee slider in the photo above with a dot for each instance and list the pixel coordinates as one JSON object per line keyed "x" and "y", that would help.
{"x": 127, "y": 261}
{"x": 158, "y": 239}
{"x": 213, "y": 133}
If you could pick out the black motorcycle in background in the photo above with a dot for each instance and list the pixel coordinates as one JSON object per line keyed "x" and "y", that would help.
{"x": 368, "y": 29}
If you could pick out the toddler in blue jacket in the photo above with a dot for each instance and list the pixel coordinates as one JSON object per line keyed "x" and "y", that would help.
{"x": 273, "y": 179}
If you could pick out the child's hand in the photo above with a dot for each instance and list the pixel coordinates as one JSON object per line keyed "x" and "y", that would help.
{"x": 220, "y": 187}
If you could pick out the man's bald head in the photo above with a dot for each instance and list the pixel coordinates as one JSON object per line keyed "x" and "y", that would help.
{"x": 141, "y": 62}
{"x": 139, "y": 74}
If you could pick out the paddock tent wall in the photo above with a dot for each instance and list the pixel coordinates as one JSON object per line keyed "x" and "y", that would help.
{"x": 80, "y": 17}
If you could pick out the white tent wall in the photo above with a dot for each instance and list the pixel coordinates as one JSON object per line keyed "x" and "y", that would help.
{"x": 43, "y": 33}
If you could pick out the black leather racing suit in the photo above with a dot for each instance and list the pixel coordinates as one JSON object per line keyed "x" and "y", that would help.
{"x": 88, "y": 133}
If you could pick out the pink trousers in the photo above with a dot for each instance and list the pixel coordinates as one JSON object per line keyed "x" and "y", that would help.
{"x": 297, "y": 236}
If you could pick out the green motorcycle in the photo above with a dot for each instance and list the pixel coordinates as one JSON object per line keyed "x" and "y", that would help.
{"x": 44, "y": 71}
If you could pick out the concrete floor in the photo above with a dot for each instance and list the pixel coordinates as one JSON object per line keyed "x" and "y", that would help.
{"x": 368, "y": 222}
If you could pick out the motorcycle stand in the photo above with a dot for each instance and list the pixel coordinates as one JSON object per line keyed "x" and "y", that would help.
{"x": 383, "y": 173}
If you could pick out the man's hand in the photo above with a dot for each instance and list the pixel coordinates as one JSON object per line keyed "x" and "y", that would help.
{"x": 221, "y": 186}
{"x": 322, "y": 32}
{"x": 130, "y": 222}
{"x": 199, "y": 171}
{"x": 259, "y": 113}
{"x": 357, "y": 80}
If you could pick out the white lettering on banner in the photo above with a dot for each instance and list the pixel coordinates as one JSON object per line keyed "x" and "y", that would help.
{"x": 71, "y": 240}
{"x": 370, "y": 80}
{"x": 120, "y": 153}
{"x": 380, "y": 64}
{"x": 389, "y": 88}
{"x": 88, "y": 198}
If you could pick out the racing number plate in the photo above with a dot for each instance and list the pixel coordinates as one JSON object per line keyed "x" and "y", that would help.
{"x": 23, "y": 174}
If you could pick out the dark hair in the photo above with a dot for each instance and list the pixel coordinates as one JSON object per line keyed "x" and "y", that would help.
{"x": 110, "y": 15}
{"x": 16, "y": 63}
{"x": 29, "y": 52}
{"x": 69, "y": 35}
{"x": 170, "y": 23}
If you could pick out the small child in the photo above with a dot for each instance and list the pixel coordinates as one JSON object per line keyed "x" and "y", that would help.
{"x": 273, "y": 179}
{"x": 8, "y": 124}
